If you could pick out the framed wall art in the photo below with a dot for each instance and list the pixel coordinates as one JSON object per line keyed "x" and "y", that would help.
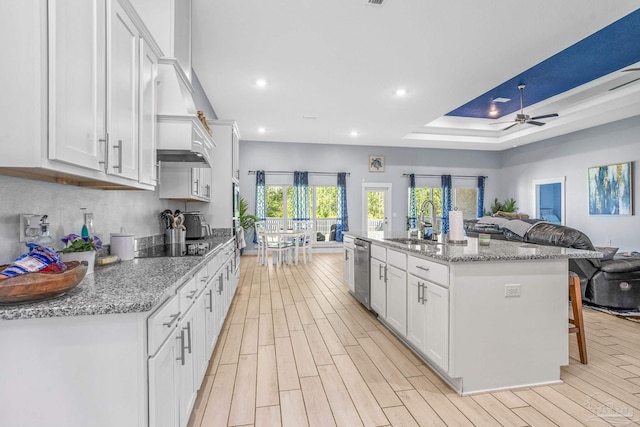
{"x": 610, "y": 190}
{"x": 376, "y": 163}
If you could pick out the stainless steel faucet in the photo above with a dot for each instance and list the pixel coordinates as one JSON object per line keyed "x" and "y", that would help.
{"x": 432, "y": 217}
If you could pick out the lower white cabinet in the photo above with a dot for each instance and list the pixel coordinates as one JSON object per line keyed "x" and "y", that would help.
{"x": 416, "y": 312}
{"x": 163, "y": 399}
{"x": 187, "y": 389}
{"x": 437, "y": 321}
{"x": 379, "y": 287}
{"x": 349, "y": 276}
{"x": 396, "y": 303}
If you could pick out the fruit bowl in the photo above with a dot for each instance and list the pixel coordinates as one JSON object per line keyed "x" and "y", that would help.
{"x": 38, "y": 286}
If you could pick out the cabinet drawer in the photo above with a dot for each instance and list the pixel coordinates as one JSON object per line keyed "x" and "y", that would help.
{"x": 429, "y": 270}
{"x": 349, "y": 242}
{"x": 162, "y": 323}
{"x": 187, "y": 294}
{"x": 202, "y": 278}
{"x": 397, "y": 259}
{"x": 379, "y": 252}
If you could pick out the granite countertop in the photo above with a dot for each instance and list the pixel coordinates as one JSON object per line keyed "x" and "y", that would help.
{"x": 132, "y": 286}
{"x": 497, "y": 250}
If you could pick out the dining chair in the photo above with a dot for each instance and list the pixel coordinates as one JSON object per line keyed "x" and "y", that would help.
{"x": 577, "y": 321}
{"x": 279, "y": 245}
{"x": 306, "y": 242}
{"x": 262, "y": 244}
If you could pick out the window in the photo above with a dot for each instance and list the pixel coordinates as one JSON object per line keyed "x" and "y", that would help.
{"x": 465, "y": 199}
{"x": 323, "y": 209}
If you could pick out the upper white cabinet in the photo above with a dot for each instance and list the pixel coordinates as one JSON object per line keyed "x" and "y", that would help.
{"x": 79, "y": 72}
{"x": 148, "y": 171}
{"x": 225, "y": 172}
{"x": 169, "y": 22}
{"x": 188, "y": 184}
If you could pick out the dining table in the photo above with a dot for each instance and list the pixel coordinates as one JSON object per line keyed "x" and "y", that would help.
{"x": 291, "y": 235}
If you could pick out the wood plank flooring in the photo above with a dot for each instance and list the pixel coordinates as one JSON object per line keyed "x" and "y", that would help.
{"x": 297, "y": 350}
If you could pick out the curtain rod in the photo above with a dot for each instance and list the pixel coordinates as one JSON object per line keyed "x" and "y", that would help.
{"x": 420, "y": 175}
{"x": 290, "y": 172}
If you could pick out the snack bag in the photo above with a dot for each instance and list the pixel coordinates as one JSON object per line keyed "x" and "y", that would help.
{"x": 39, "y": 258}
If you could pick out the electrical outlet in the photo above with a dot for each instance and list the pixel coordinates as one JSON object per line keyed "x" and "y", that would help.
{"x": 29, "y": 221}
{"x": 512, "y": 290}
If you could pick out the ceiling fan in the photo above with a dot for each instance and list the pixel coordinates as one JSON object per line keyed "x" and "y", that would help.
{"x": 523, "y": 118}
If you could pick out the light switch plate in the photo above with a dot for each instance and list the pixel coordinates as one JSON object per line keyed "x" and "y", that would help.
{"x": 512, "y": 290}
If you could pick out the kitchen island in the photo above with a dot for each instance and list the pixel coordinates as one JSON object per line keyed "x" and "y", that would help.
{"x": 485, "y": 318}
{"x": 127, "y": 347}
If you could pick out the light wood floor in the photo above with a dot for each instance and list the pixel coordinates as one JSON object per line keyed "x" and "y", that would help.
{"x": 297, "y": 350}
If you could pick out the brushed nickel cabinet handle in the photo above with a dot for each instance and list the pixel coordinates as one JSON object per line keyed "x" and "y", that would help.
{"x": 181, "y": 338}
{"x": 119, "y": 147}
{"x": 173, "y": 317}
{"x": 422, "y": 268}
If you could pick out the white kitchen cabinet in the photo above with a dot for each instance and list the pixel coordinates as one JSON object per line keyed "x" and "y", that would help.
{"x": 396, "y": 303}
{"x": 163, "y": 398}
{"x": 122, "y": 94}
{"x": 225, "y": 173}
{"x": 147, "y": 161}
{"x": 416, "y": 313}
{"x": 187, "y": 389}
{"x": 200, "y": 357}
{"x": 379, "y": 287}
{"x": 80, "y": 60}
{"x": 437, "y": 325}
{"x": 349, "y": 260}
{"x": 188, "y": 184}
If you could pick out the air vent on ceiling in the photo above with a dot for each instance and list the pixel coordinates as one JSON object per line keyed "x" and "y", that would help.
{"x": 375, "y": 2}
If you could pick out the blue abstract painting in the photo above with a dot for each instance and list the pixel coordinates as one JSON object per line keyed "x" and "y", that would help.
{"x": 610, "y": 190}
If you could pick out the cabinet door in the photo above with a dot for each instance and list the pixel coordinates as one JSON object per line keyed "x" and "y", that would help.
{"x": 195, "y": 182}
{"x": 379, "y": 287}
{"x": 163, "y": 400}
{"x": 122, "y": 94}
{"x": 349, "y": 277}
{"x": 200, "y": 339}
{"x": 220, "y": 299}
{"x": 415, "y": 312}
{"x": 205, "y": 183}
{"x": 211, "y": 325}
{"x": 77, "y": 82}
{"x": 147, "y": 171}
{"x": 397, "y": 299}
{"x": 235, "y": 155}
{"x": 185, "y": 367}
{"x": 437, "y": 325}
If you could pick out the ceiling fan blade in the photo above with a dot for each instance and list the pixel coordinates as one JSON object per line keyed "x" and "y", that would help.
{"x": 501, "y": 123}
{"x": 532, "y": 122}
{"x": 545, "y": 116}
{"x": 509, "y": 127}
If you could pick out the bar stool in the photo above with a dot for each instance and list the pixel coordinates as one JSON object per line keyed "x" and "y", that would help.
{"x": 577, "y": 321}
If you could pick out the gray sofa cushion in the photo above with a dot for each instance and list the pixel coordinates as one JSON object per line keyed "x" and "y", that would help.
{"x": 620, "y": 265}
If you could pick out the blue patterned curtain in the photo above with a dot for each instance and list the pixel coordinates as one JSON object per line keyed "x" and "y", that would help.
{"x": 300, "y": 196}
{"x": 261, "y": 203}
{"x": 447, "y": 202}
{"x": 481, "y": 196}
{"x": 412, "y": 201}
{"x": 343, "y": 218}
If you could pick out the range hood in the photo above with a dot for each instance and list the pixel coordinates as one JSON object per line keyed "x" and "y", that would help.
{"x": 182, "y": 140}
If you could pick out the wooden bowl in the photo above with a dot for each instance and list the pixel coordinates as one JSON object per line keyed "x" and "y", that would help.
{"x": 38, "y": 286}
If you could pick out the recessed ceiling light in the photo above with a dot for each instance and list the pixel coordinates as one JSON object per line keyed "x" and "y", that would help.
{"x": 354, "y": 133}
{"x": 306, "y": 116}
{"x": 401, "y": 92}
{"x": 261, "y": 82}
{"x": 261, "y": 129}
{"x": 493, "y": 111}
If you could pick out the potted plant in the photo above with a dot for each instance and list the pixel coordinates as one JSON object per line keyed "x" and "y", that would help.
{"x": 247, "y": 222}
{"x": 80, "y": 249}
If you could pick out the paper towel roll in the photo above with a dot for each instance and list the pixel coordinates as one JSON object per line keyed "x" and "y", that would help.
{"x": 456, "y": 230}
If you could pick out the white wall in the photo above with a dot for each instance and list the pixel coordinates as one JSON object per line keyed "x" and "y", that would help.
{"x": 354, "y": 159}
{"x": 136, "y": 211}
{"x": 570, "y": 156}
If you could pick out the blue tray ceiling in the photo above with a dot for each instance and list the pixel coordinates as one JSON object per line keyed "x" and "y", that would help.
{"x": 608, "y": 50}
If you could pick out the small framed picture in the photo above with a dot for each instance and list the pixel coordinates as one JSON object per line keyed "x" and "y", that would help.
{"x": 376, "y": 163}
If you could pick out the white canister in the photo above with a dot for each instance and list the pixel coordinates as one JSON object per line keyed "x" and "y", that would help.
{"x": 122, "y": 245}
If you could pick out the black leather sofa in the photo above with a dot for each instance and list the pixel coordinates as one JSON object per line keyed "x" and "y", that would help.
{"x": 609, "y": 281}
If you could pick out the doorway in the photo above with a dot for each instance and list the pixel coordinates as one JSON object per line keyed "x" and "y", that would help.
{"x": 376, "y": 204}
{"x": 549, "y": 200}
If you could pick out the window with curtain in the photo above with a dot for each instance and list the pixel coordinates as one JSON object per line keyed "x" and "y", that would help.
{"x": 322, "y": 208}
{"x": 300, "y": 196}
{"x": 412, "y": 217}
{"x": 260, "y": 200}
{"x": 343, "y": 218}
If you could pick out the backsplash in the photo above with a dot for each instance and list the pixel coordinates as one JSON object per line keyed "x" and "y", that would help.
{"x": 131, "y": 211}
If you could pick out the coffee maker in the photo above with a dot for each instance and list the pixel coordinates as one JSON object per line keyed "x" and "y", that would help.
{"x": 196, "y": 225}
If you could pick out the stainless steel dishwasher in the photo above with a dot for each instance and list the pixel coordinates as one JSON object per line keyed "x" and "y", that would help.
{"x": 361, "y": 264}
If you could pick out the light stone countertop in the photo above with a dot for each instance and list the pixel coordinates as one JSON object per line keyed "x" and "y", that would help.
{"x": 132, "y": 286}
{"x": 497, "y": 250}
